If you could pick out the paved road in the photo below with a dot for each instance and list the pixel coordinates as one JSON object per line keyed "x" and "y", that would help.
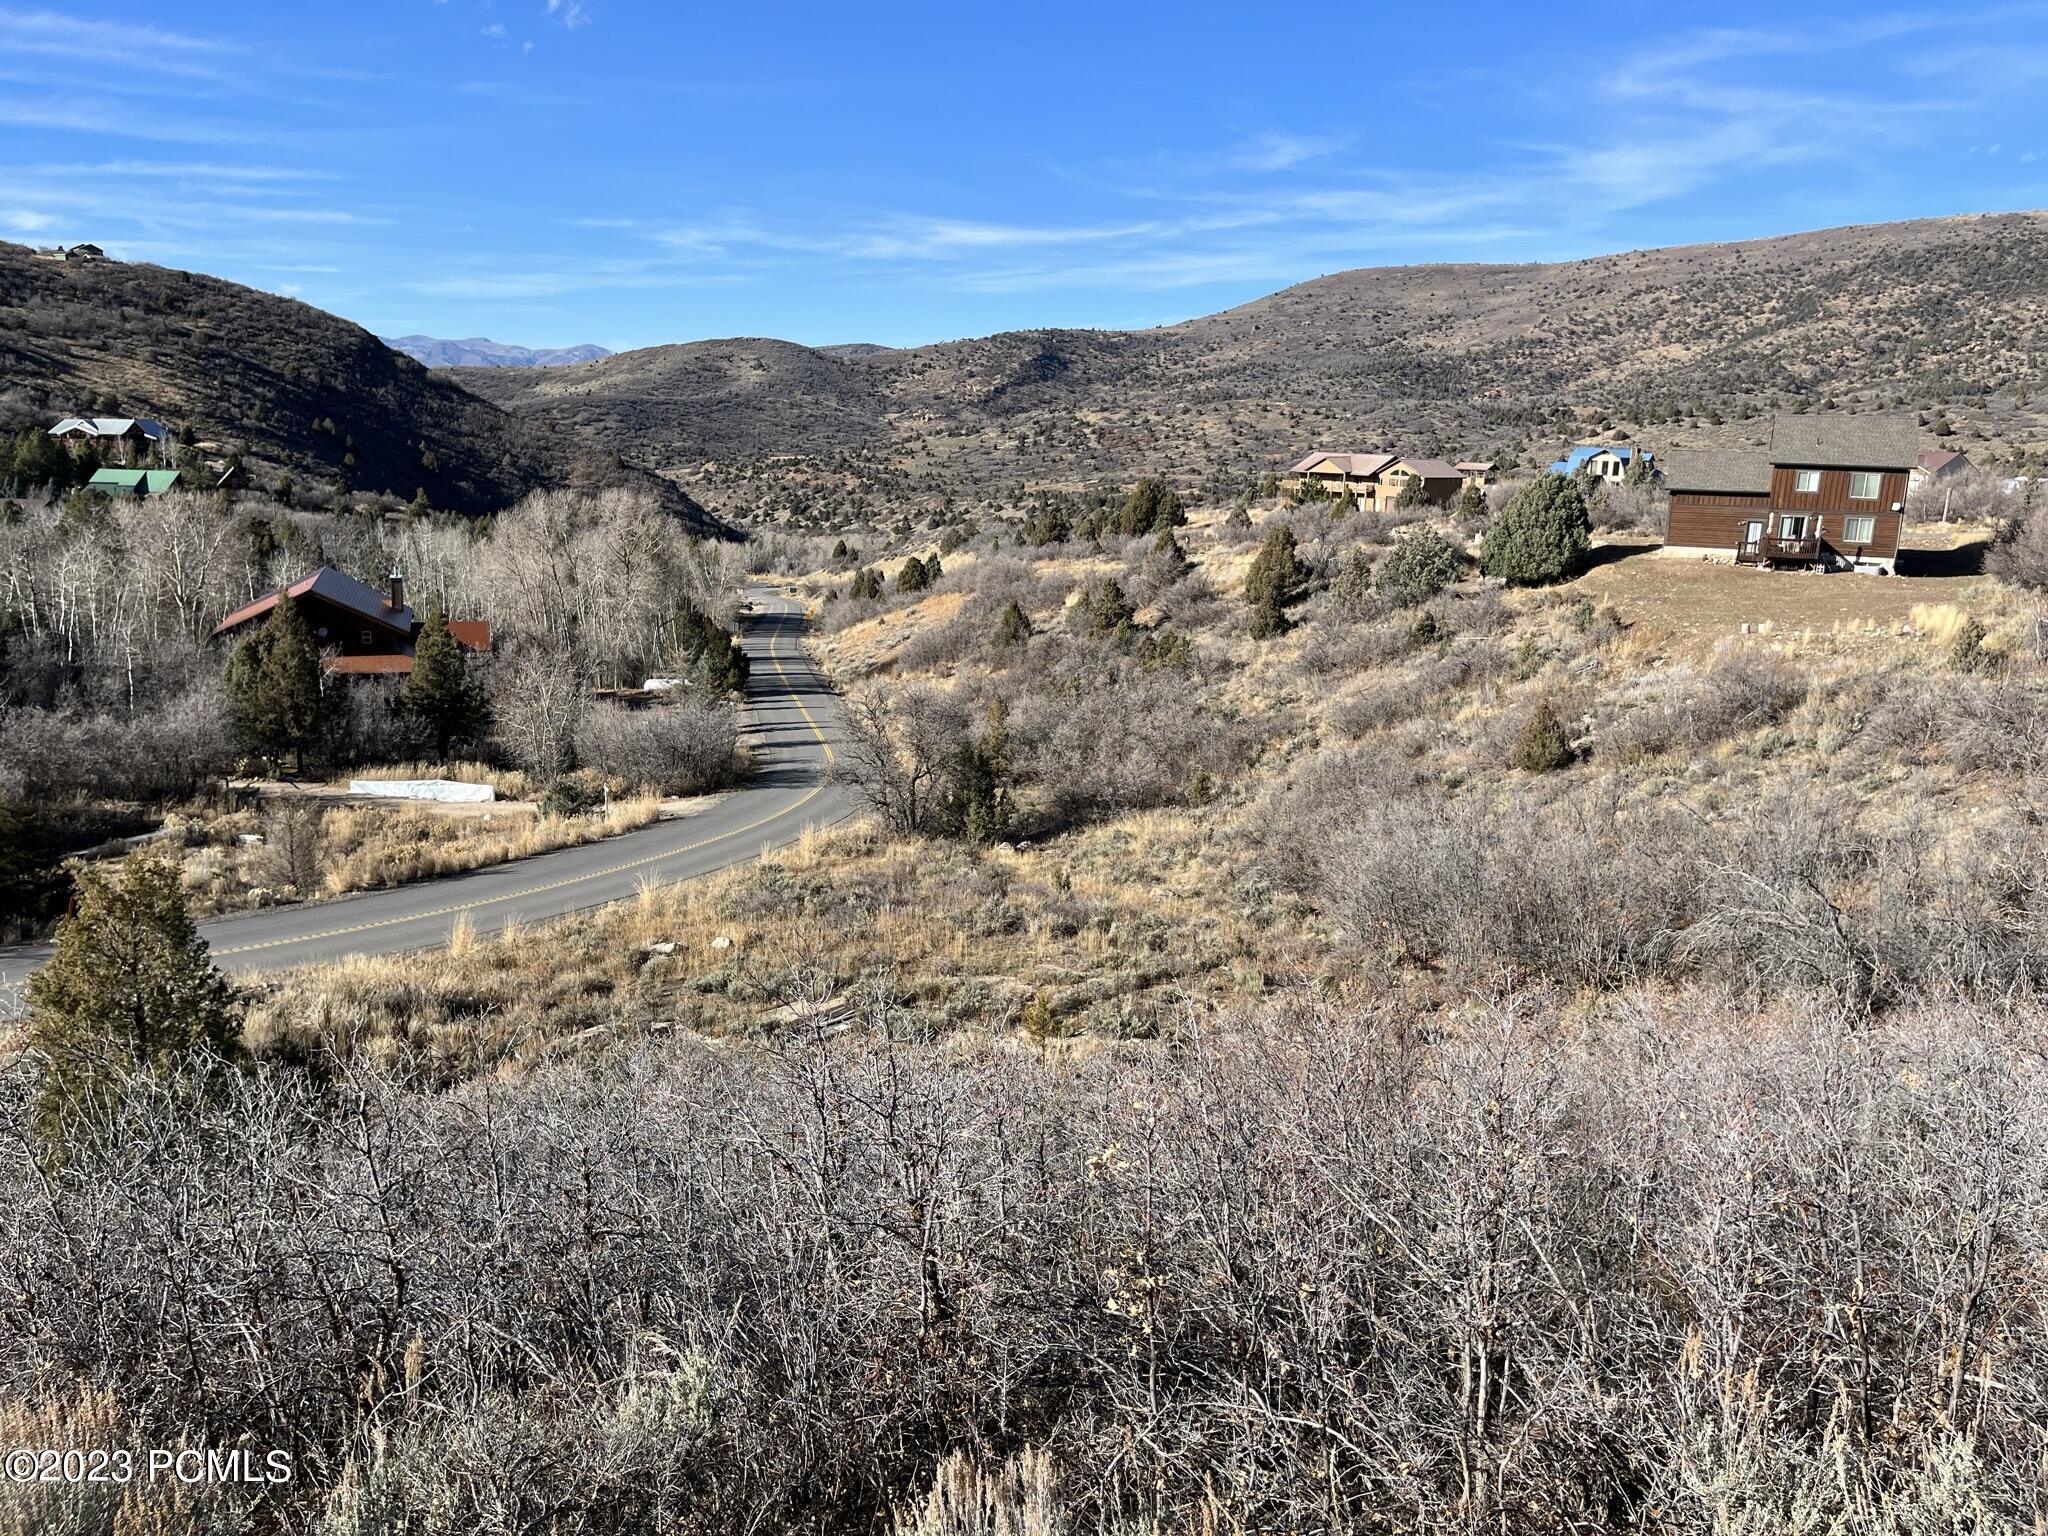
{"x": 789, "y": 721}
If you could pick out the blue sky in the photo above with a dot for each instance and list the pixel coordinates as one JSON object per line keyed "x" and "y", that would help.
{"x": 626, "y": 172}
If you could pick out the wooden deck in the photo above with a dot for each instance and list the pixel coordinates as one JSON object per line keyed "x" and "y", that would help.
{"x": 1771, "y": 550}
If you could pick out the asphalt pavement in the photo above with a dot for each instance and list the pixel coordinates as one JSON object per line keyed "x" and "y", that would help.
{"x": 789, "y": 720}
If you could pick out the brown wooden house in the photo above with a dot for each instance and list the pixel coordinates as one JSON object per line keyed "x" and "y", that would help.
{"x": 1829, "y": 492}
{"x": 361, "y": 630}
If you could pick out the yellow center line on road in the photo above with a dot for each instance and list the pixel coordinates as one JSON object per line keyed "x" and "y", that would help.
{"x": 809, "y": 795}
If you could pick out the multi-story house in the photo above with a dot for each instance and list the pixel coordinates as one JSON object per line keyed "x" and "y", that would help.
{"x": 1603, "y": 461}
{"x": 1343, "y": 476}
{"x": 1441, "y": 482}
{"x": 1829, "y": 491}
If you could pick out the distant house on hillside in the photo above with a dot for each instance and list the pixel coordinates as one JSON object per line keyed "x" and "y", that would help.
{"x": 1603, "y": 461}
{"x": 365, "y": 632}
{"x": 1479, "y": 472}
{"x": 1829, "y": 491}
{"x": 132, "y": 435}
{"x": 133, "y": 482}
{"x": 1936, "y": 464}
{"x": 1345, "y": 476}
{"x": 1441, "y": 482}
{"x": 86, "y": 252}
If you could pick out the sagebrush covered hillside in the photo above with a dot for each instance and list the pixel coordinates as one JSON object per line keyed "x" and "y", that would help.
{"x": 1944, "y": 316}
{"x": 293, "y": 389}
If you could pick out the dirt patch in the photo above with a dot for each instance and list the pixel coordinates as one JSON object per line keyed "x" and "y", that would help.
{"x": 1693, "y": 599}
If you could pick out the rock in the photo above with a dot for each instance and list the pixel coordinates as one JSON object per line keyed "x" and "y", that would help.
{"x": 253, "y": 839}
{"x": 662, "y": 947}
{"x": 721, "y": 942}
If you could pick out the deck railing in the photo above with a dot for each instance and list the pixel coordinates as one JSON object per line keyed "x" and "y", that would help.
{"x": 1774, "y": 547}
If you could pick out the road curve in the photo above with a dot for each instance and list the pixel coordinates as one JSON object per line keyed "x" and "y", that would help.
{"x": 789, "y": 721}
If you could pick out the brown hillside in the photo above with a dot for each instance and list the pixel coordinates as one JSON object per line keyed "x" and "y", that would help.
{"x": 266, "y": 376}
{"x": 1937, "y": 314}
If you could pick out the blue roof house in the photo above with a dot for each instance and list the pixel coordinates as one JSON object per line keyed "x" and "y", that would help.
{"x": 1603, "y": 461}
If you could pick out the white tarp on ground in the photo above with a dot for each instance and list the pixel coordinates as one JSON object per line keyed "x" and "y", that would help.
{"x": 421, "y": 789}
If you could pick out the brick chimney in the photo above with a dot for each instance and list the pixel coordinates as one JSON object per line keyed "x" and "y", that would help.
{"x": 397, "y": 591}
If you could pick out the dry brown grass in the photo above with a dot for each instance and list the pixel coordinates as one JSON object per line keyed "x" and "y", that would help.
{"x": 364, "y": 847}
{"x": 1110, "y": 931}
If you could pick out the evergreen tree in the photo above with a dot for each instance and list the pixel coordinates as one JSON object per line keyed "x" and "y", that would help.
{"x": 1420, "y": 565}
{"x": 1414, "y": 495}
{"x": 1171, "y": 560}
{"x": 978, "y": 782}
{"x": 1151, "y": 506}
{"x": 1543, "y": 743}
{"x": 273, "y": 684}
{"x": 1109, "y": 608}
{"x": 128, "y": 989}
{"x": 1471, "y": 502}
{"x": 914, "y": 577}
{"x": 1543, "y": 535}
{"x": 1014, "y": 627}
{"x": 1277, "y": 580}
{"x": 866, "y": 585}
{"x": 1351, "y": 588}
{"x": 439, "y": 692}
{"x": 707, "y": 652}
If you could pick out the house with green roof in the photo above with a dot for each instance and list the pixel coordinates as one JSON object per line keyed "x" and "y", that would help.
{"x": 133, "y": 482}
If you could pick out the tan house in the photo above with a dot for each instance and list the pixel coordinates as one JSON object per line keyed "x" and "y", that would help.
{"x": 1479, "y": 472}
{"x": 1441, "y": 482}
{"x": 1343, "y": 476}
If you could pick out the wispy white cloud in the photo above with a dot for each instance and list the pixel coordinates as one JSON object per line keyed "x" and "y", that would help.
{"x": 26, "y": 221}
{"x": 183, "y": 170}
{"x": 132, "y": 45}
{"x": 1279, "y": 151}
{"x": 118, "y": 120}
{"x": 569, "y": 13}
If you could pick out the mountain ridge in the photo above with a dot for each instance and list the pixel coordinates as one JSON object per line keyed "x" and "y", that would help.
{"x": 1499, "y": 359}
{"x": 482, "y": 352}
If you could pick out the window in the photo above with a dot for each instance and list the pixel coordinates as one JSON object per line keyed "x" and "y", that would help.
{"x": 1806, "y": 481}
{"x": 1859, "y": 530}
{"x": 1791, "y": 527}
{"x": 1864, "y": 485}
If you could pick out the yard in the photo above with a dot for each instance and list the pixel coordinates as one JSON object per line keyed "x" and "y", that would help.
{"x": 1689, "y": 599}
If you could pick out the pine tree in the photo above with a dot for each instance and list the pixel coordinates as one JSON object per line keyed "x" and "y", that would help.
{"x": 439, "y": 692}
{"x": 1471, "y": 502}
{"x": 978, "y": 782}
{"x": 1543, "y": 743}
{"x": 129, "y": 989}
{"x": 1351, "y": 588}
{"x": 707, "y": 652}
{"x": 273, "y": 683}
{"x": 1151, "y": 506}
{"x": 1014, "y": 627}
{"x": 1543, "y": 535}
{"x": 1109, "y": 608}
{"x": 1420, "y": 565}
{"x": 866, "y": 586}
{"x": 1276, "y": 581}
{"x": 914, "y": 577}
